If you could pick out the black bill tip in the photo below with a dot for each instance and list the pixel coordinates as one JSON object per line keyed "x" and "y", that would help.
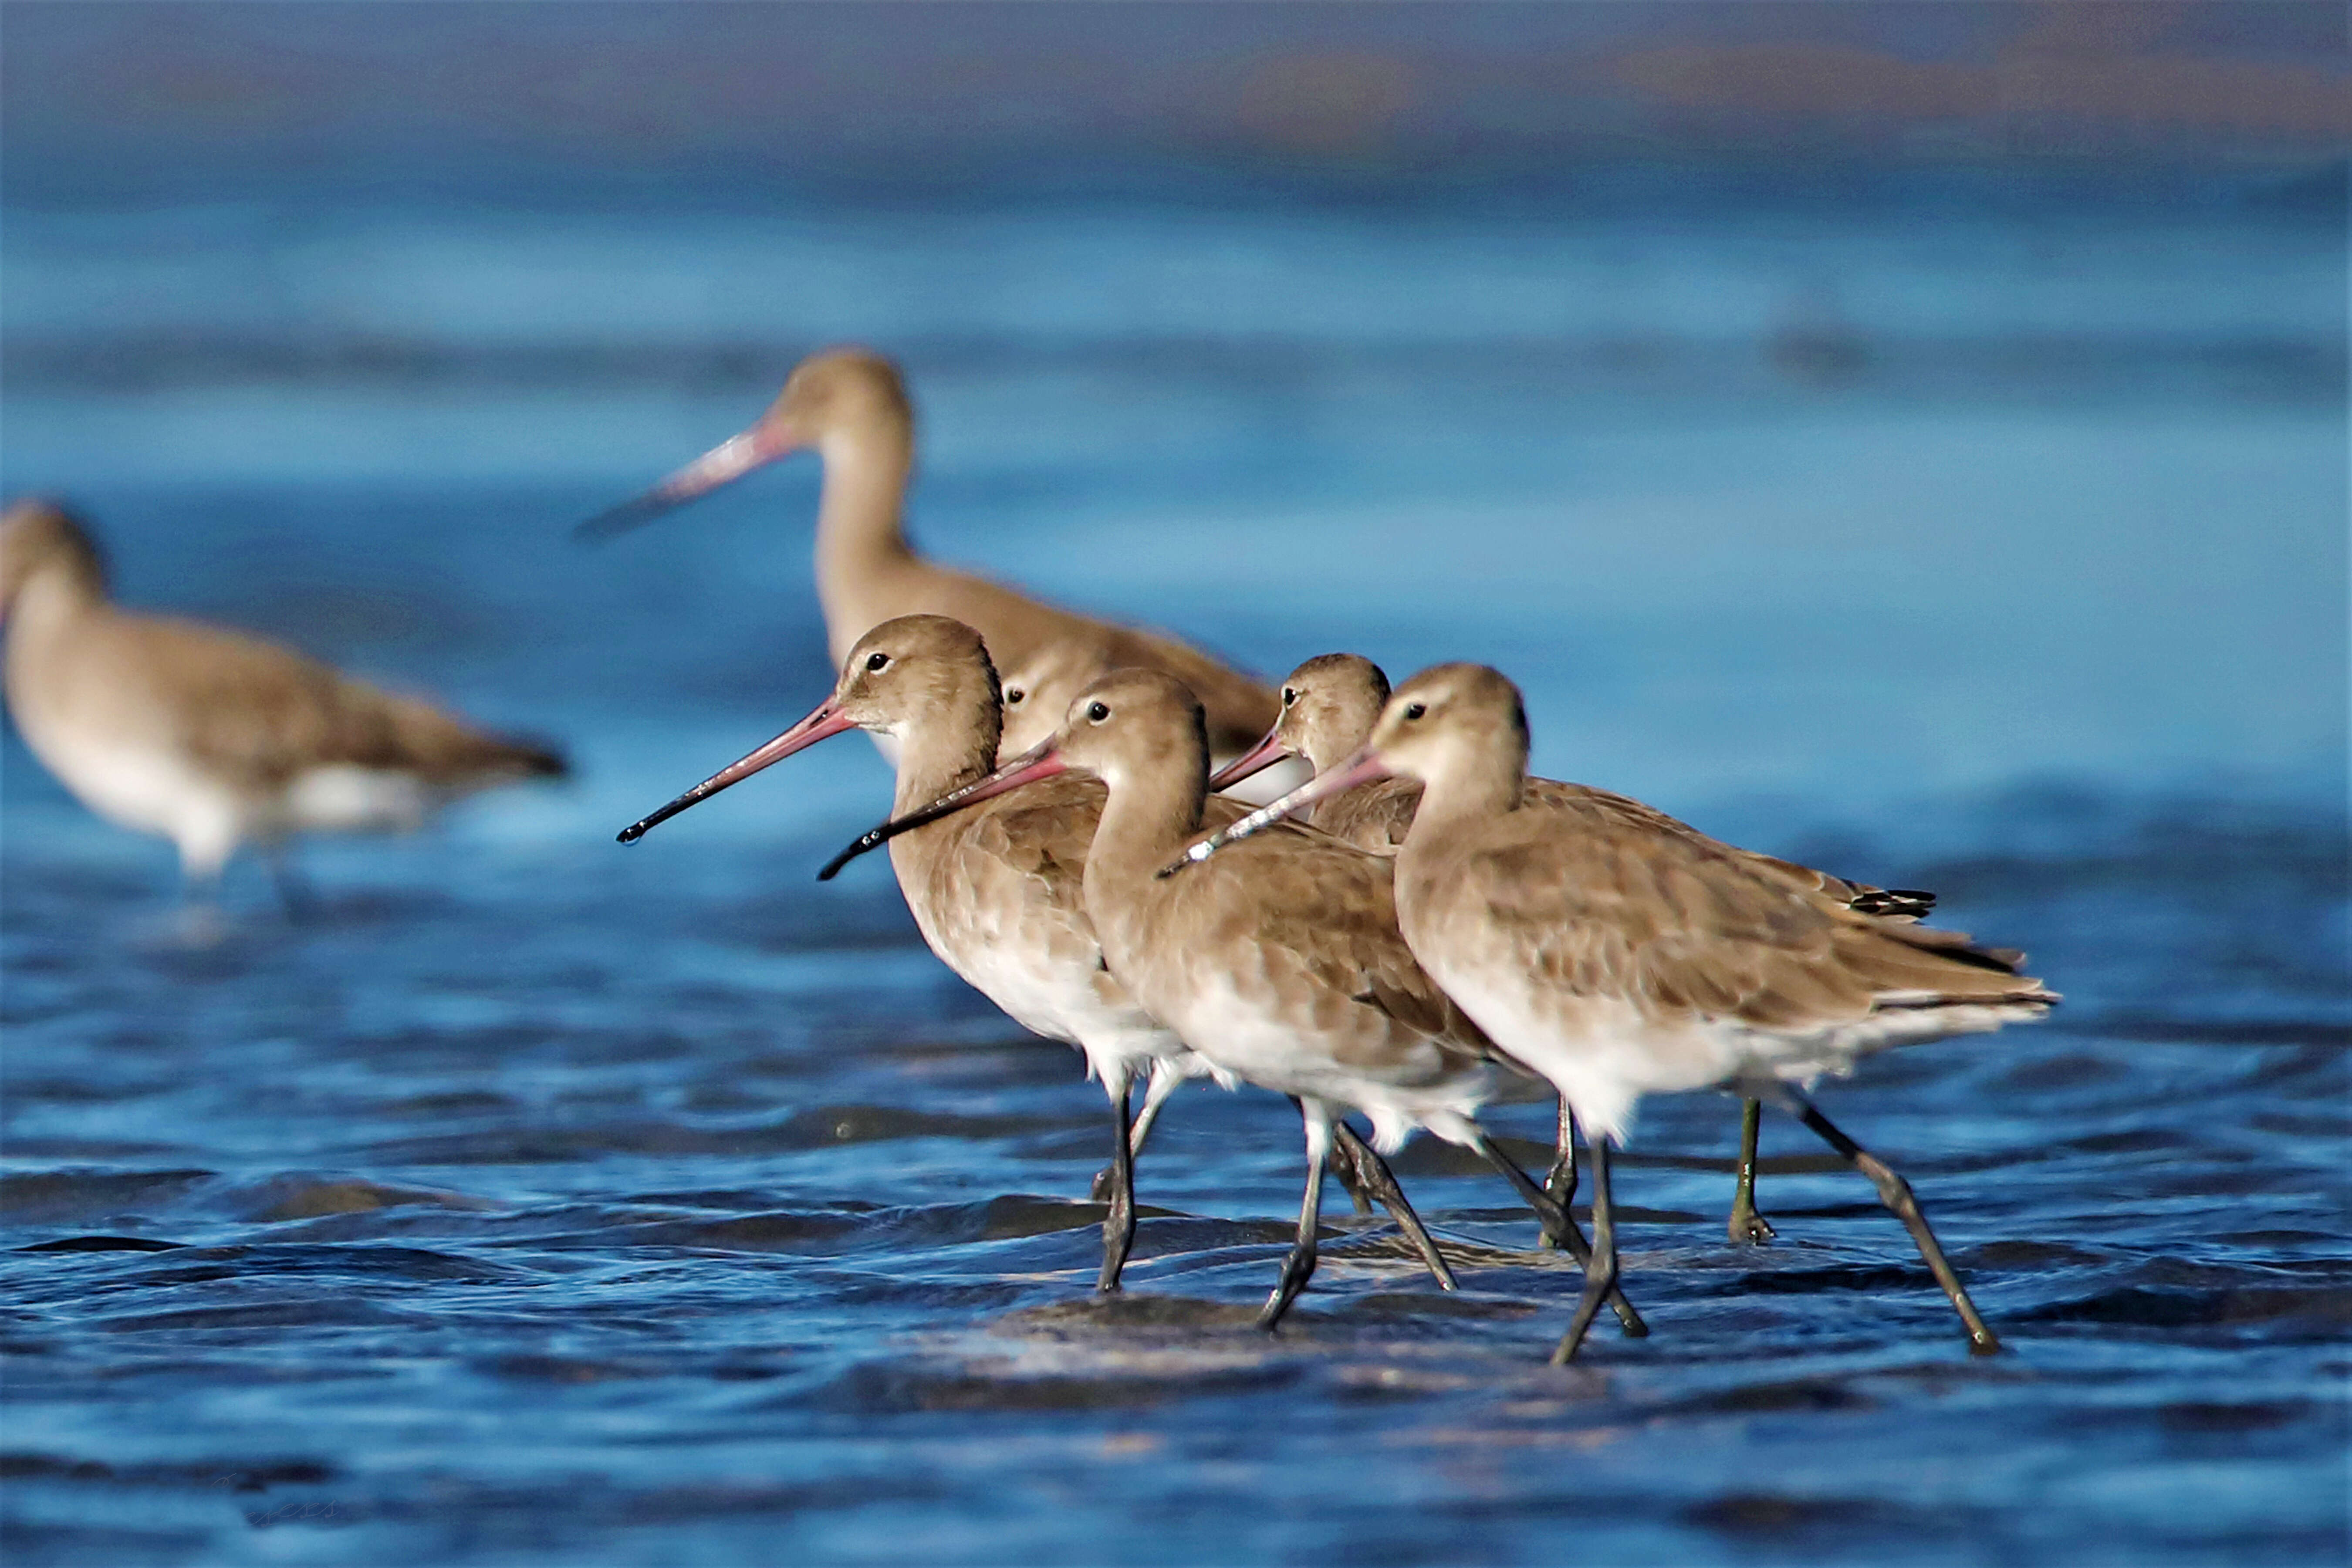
{"x": 872, "y": 838}
{"x": 644, "y": 825}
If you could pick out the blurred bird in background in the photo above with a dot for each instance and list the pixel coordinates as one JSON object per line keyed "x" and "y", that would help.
{"x": 210, "y": 737}
{"x": 850, "y": 406}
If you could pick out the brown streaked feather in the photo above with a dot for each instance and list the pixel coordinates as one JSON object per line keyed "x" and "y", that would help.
{"x": 1685, "y": 931}
{"x": 1377, "y": 816}
{"x": 1024, "y": 854}
{"x": 1335, "y": 701}
{"x": 1041, "y": 641}
{"x": 261, "y": 714}
{"x": 1319, "y": 918}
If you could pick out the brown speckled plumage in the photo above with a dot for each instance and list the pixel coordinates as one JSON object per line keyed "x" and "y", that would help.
{"x": 1329, "y": 705}
{"x": 212, "y": 736}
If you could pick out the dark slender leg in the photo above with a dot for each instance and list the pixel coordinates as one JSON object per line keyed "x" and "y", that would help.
{"x": 199, "y": 890}
{"x": 1562, "y": 1229}
{"x": 1896, "y": 1194}
{"x": 201, "y": 921}
{"x": 1118, "y": 1220}
{"x": 293, "y": 889}
{"x": 1746, "y": 1225}
{"x": 1560, "y": 1181}
{"x": 1354, "y": 1179}
{"x": 1380, "y": 1182}
{"x": 1601, "y": 1274}
{"x": 1165, "y": 1082}
{"x": 1299, "y": 1267}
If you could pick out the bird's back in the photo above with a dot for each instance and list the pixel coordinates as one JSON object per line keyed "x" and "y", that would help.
{"x": 262, "y": 715}
{"x": 1622, "y": 960}
{"x": 1017, "y": 628}
{"x": 1377, "y": 816}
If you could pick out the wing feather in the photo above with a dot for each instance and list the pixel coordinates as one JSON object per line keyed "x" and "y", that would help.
{"x": 1682, "y": 928}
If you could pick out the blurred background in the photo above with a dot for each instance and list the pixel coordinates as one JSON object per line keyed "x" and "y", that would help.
{"x": 1912, "y": 437}
{"x": 1854, "y": 398}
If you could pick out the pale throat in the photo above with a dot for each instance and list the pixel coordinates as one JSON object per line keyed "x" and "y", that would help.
{"x": 1471, "y": 785}
{"x": 50, "y": 598}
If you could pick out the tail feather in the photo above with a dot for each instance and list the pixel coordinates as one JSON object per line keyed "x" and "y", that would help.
{"x": 1899, "y": 904}
{"x": 2035, "y": 995}
{"x": 451, "y": 755}
{"x": 530, "y": 758}
{"x": 1883, "y": 903}
{"x": 1921, "y": 967}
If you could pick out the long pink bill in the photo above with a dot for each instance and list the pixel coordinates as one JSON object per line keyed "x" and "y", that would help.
{"x": 826, "y": 720}
{"x": 1249, "y": 763}
{"x": 722, "y": 464}
{"x": 1359, "y": 769}
{"x": 1040, "y": 762}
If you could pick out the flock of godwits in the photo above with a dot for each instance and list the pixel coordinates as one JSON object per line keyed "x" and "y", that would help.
{"x": 1381, "y": 938}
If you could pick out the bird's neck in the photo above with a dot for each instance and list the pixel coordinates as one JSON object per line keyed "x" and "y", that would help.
{"x": 48, "y": 604}
{"x": 1472, "y": 789}
{"x": 1146, "y": 823}
{"x": 935, "y": 758}
{"x": 861, "y": 539}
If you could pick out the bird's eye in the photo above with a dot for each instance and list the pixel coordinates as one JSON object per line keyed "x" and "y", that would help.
{"x": 877, "y": 662}
{"x": 1288, "y": 697}
{"x": 1098, "y": 711}
{"x": 1014, "y": 698}
{"x": 1416, "y": 711}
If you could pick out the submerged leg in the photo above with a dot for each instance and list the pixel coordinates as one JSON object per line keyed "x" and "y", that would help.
{"x": 1601, "y": 1274}
{"x": 1896, "y": 1194}
{"x": 1746, "y": 1225}
{"x": 293, "y": 888}
{"x": 1118, "y": 1220}
{"x": 1299, "y": 1267}
{"x": 200, "y": 920}
{"x": 1561, "y": 1229}
{"x": 1373, "y": 1172}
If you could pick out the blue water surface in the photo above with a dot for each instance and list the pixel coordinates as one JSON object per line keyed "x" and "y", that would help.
{"x": 540, "y": 1201}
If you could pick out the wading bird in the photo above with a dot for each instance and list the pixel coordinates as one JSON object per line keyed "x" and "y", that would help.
{"x": 1618, "y": 960}
{"x": 210, "y": 737}
{"x": 995, "y": 890}
{"x": 850, "y": 407}
{"x": 1281, "y": 964}
{"x": 1329, "y": 705}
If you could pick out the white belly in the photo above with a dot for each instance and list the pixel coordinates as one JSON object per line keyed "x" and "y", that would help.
{"x": 345, "y": 799}
{"x": 1251, "y": 1037}
{"x": 1600, "y": 1053}
{"x": 1047, "y": 982}
{"x": 144, "y": 787}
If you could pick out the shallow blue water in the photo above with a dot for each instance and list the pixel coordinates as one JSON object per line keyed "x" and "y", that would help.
{"x": 541, "y": 1201}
